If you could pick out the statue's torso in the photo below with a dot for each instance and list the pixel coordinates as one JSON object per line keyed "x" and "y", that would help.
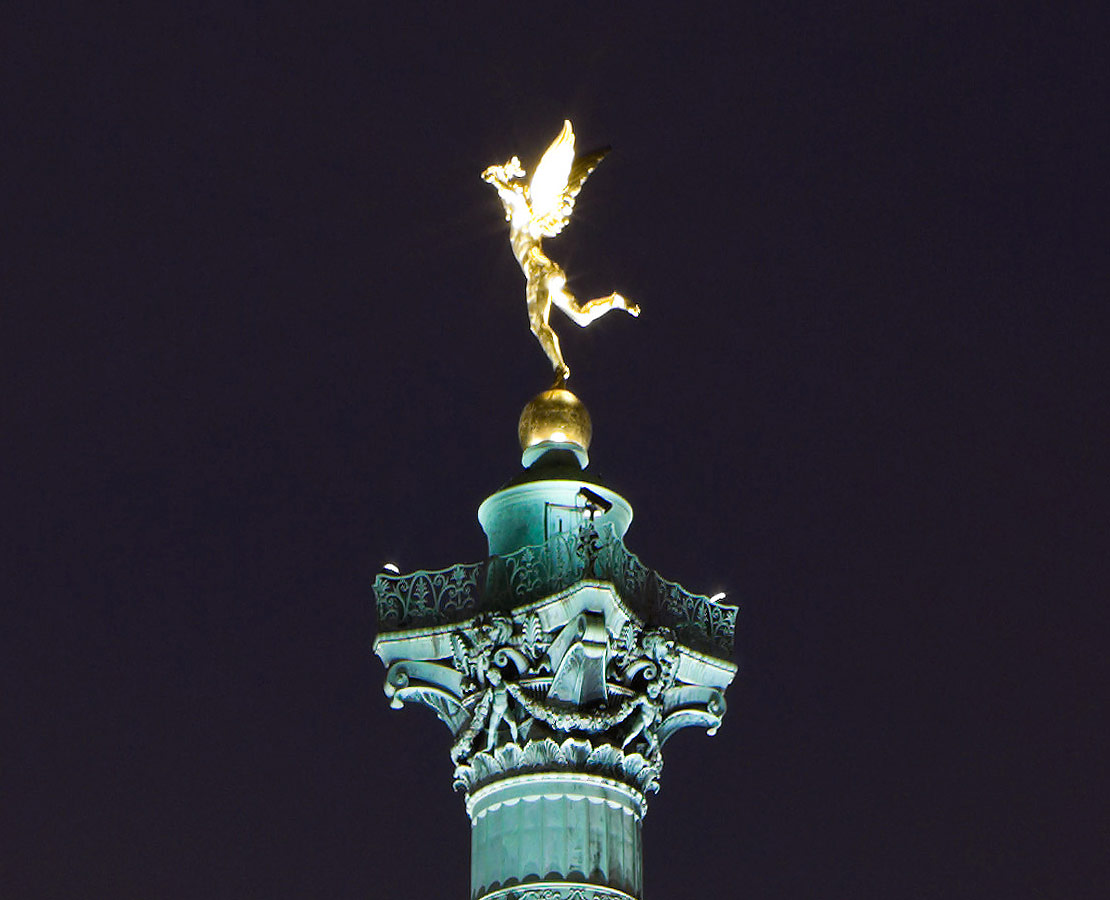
{"x": 533, "y": 261}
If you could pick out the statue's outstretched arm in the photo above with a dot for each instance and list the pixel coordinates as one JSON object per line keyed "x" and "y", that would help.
{"x": 509, "y": 190}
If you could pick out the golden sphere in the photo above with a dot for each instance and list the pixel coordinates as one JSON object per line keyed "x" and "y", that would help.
{"x": 555, "y": 415}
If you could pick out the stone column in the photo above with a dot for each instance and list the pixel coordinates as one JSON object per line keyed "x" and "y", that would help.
{"x": 561, "y": 665}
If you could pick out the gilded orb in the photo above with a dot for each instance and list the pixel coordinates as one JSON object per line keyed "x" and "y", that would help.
{"x": 556, "y": 415}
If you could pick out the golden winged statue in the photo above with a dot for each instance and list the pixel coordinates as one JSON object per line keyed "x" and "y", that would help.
{"x": 541, "y": 208}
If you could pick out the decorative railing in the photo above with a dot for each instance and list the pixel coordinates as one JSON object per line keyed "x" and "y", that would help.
{"x": 532, "y": 573}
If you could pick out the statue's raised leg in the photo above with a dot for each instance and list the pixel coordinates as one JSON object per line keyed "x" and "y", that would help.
{"x": 584, "y": 313}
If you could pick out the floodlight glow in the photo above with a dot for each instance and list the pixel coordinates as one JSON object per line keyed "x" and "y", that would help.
{"x": 720, "y": 595}
{"x": 392, "y": 567}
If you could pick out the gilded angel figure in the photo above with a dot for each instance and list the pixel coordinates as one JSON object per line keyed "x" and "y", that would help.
{"x": 541, "y": 208}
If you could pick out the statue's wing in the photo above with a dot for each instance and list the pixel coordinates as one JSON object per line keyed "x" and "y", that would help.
{"x": 549, "y": 181}
{"x": 555, "y": 221}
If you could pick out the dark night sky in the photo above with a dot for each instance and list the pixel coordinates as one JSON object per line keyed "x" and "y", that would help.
{"x": 264, "y": 332}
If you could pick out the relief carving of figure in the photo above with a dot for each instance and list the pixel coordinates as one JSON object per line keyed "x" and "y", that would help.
{"x": 648, "y": 713}
{"x": 499, "y": 709}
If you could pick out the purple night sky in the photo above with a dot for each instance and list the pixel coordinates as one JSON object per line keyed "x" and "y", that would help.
{"x": 264, "y": 333}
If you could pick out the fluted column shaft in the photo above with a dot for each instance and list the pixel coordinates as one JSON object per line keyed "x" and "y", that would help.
{"x": 556, "y": 835}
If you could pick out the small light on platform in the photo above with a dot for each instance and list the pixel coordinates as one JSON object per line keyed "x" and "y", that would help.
{"x": 392, "y": 567}
{"x": 594, "y": 502}
{"x": 720, "y": 595}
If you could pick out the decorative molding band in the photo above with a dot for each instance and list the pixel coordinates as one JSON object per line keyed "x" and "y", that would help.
{"x": 574, "y": 787}
{"x": 553, "y": 890}
{"x": 561, "y": 759}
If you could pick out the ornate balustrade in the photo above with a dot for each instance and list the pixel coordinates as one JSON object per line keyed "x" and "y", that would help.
{"x": 505, "y": 582}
